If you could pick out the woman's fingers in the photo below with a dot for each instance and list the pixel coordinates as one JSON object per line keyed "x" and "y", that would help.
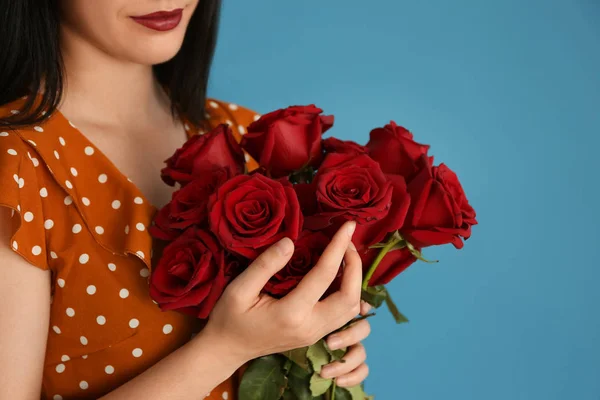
{"x": 312, "y": 287}
{"x": 250, "y": 282}
{"x": 356, "y": 333}
{"x": 355, "y": 356}
{"x": 365, "y": 308}
{"x": 355, "y": 377}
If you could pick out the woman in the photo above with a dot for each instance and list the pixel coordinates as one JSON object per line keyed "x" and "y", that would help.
{"x": 93, "y": 92}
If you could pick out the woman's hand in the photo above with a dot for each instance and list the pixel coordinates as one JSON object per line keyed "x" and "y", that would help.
{"x": 249, "y": 324}
{"x": 354, "y": 370}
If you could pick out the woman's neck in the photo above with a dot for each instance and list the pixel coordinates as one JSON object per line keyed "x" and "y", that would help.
{"x": 104, "y": 89}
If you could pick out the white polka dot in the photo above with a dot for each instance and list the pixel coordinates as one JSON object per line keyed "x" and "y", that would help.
{"x": 140, "y": 227}
{"x": 225, "y": 395}
{"x": 233, "y": 106}
{"x": 124, "y": 293}
{"x": 85, "y": 201}
{"x": 68, "y": 184}
{"x": 83, "y": 385}
{"x": 168, "y": 328}
{"x": 102, "y": 178}
{"x": 127, "y": 229}
{"x": 48, "y": 224}
{"x": 15, "y": 245}
{"x": 65, "y": 358}
{"x": 246, "y": 157}
{"x": 36, "y": 250}
{"x": 109, "y": 369}
{"x": 144, "y": 272}
{"x": 242, "y": 129}
{"x": 73, "y": 171}
{"x": 18, "y": 208}
{"x": 76, "y": 228}
{"x": 38, "y": 128}
{"x": 60, "y": 368}
{"x": 32, "y": 143}
{"x": 3, "y": 134}
{"x": 44, "y": 192}
{"x": 99, "y": 230}
{"x": 89, "y": 150}
{"x": 70, "y": 312}
{"x": 138, "y": 200}
{"x": 16, "y": 178}
{"x": 116, "y": 204}
{"x": 140, "y": 254}
{"x": 61, "y": 282}
{"x": 12, "y": 152}
{"x": 228, "y": 122}
{"x": 56, "y": 329}
{"x": 256, "y": 117}
{"x": 86, "y": 356}
{"x": 101, "y": 319}
{"x": 213, "y": 104}
{"x": 21, "y": 183}
{"x": 84, "y": 258}
{"x": 53, "y": 255}
{"x": 57, "y": 397}
{"x": 68, "y": 200}
{"x": 112, "y": 267}
{"x": 61, "y": 140}
{"x": 91, "y": 289}
{"x": 137, "y": 352}
{"x": 28, "y": 217}
{"x": 83, "y": 340}
{"x": 186, "y": 127}
{"x": 15, "y": 112}
{"x": 35, "y": 162}
{"x": 56, "y": 155}
{"x": 134, "y": 323}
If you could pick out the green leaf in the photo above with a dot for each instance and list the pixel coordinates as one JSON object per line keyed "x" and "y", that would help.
{"x": 318, "y": 355}
{"x": 336, "y": 355}
{"x": 398, "y": 316}
{"x": 288, "y": 395}
{"x": 263, "y": 380}
{"x": 298, "y": 356}
{"x": 374, "y": 295}
{"x": 318, "y": 385}
{"x": 352, "y": 393}
{"x": 299, "y": 382}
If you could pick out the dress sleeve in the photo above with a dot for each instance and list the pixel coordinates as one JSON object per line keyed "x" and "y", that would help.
{"x": 21, "y": 192}
{"x": 238, "y": 118}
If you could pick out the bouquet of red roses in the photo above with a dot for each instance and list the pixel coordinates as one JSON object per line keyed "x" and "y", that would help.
{"x": 305, "y": 188}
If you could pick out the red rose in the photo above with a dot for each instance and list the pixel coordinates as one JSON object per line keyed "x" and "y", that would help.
{"x": 350, "y": 187}
{"x": 250, "y": 212}
{"x": 287, "y": 140}
{"x": 335, "y": 145}
{"x": 189, "y": 276}
{"x": 439, "y": 212}
{"x": 188, "y": 206}
{"x": 395, "y": 150}
{"x": 202, "y": 154}
{"x": 308, "y": 249}
{"x": 392, "y": 265}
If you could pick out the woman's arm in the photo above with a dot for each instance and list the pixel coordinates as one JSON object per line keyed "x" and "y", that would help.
{"x": 24, "y": 318}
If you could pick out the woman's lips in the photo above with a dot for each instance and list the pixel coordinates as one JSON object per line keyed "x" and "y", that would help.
{"x": 161, "y": 21}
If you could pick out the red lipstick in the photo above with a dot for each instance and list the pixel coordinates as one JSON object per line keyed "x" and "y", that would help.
{"x": 161, "y": 21}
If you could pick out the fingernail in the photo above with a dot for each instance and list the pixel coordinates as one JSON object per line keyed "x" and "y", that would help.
{"x": 327, "y": 371}
{"x": 351, "y": 228}
{"x": 284, "y": 246}
{"x": 341, "y": 381}
{"x": 352, "y": 246}
{"x": 334, "y": 342}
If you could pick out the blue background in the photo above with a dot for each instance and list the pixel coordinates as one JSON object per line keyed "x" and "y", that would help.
{"x": 508, "y": 95}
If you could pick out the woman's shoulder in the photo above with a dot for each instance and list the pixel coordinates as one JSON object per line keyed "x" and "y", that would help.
{"x": 237, "y": 116}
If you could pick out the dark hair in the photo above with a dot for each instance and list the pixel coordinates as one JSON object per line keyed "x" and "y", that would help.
{"x": 31, "y": 62}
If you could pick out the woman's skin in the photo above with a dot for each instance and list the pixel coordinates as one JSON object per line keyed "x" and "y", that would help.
{"x": 112, "y": 97}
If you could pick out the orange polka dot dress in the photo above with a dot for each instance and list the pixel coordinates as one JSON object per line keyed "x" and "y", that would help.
{"x": 76, "y": 215}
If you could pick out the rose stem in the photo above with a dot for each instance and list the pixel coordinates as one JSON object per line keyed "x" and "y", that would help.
{"x": 390, "y": 245}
